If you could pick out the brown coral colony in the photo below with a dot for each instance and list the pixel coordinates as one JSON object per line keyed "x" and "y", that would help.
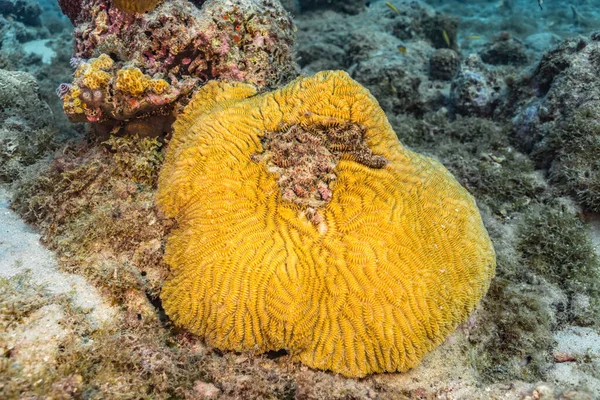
{"x": 304, "y": 159}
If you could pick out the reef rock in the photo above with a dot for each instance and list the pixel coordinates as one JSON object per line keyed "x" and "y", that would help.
{"x": 179, "y": 43}
{"x": 388, "y": 52}
{"x": 444, "y": 64}
{"x": 346, "y": 6}
{"x": 504, "y": 50}
{"x": 26, "y": 123}
{"x": 26, "y": 11}
{"x": 557, "y": 120}
{"x": 476, "y": 90}
{"x": 22, "y": 36}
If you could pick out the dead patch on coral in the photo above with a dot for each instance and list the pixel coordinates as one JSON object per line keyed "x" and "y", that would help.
{"x": 304, "y": 159}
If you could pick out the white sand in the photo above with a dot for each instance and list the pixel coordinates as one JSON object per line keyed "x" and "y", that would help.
{"x": 583, "y": 344}
{"x": 21, "y": 250}
{"x": 35, "y": 342}
{"x": 40, "y": 48}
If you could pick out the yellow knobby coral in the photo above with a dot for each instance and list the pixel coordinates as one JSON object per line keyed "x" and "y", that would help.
{"x": 72, "y": 102}
{"x": 132, "y": 81}
{"x": 94, "y": 73}
{"x": 397, "y": 258}
{"x": 95, "y": 78}
{"x": 158, "y": 86}
{"x": 103, "y": 62}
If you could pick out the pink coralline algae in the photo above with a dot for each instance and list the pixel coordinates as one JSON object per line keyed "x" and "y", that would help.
{"x": 181, "y": 43}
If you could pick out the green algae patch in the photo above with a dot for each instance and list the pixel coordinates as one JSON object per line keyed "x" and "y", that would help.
{"x": 575, "y": 145}
{"x": 94, "y": 206}
{"x": 557, "y": 245}
{"x": 514, "y": 335}
{"x": 479, "y": 153}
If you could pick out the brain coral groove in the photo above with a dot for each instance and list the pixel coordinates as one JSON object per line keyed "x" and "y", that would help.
{"x": 399, "y": 260}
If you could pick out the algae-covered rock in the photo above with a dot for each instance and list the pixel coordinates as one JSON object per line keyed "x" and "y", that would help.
{"x": 574, "y": 146}
{"x": 174, "y": 45}
{"x": 476, "y": 89}
{"x": 444, "y": 64}
{"x": 94, "y": 205}
{"x": 557, "y": 121}
{"x": 26, "y": 123}
{"x": 25, "y": 11}
{"x": 504, "y": 50}
{"x": 347, "y": 6}
{"x": 555, "y": 244}
{"x": 387, "y": 52}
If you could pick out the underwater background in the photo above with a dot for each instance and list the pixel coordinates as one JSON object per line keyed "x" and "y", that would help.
{"x": 505, "y": 94}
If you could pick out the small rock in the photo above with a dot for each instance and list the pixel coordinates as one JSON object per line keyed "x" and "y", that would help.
{"x": 205, "y": 391}
{"x": 475, "y": 91}
{"x": 504, "y": 50}
{"x": 443, "y": 64}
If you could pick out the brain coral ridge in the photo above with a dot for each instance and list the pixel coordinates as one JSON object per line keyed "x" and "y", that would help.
{"x": 397, "y": 260}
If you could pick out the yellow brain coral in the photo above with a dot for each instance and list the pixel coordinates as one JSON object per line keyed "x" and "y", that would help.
{"x": 303, "y": 224}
